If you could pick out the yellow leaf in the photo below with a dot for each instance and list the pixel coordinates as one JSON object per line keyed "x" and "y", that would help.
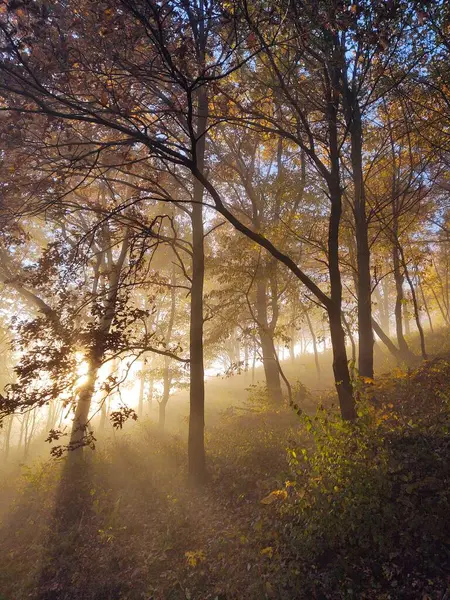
{"x": 273, "y": 496}
{"x": 268, "y": 551}
{"x": 194, "y": 557}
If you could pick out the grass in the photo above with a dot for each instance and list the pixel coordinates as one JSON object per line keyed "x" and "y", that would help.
{"x": 294, "y": 507}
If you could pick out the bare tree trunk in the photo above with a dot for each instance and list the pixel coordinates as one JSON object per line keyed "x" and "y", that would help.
{"x": 8, "y": 429}
{"x": 415, "y": 305}
{"x": 424, "y": 299}
{"x": 167, "y": 381}
{"x": 22, "y": 430}
{"x": 334, "y": 309}
{"x": 253, "y": 364}
{"x": 151, "y": 383}
{"x": 102, "y": 423}
{"x": 270, "y": 362}
{"x": 365, "y": 348}
{"x": 167, "y": 378}
{"x": 399, "y": 301}
{"x": 196, "y": 438}
{"x": 96, "y": 355}
{"x": 383, "y": 314}
{"x": 314, "y": 342}
{"x": 29, "y": 432}
{"x": 352, "y": 342}
{"x": 140, "y": 409}
{"x": 387, "y": 341}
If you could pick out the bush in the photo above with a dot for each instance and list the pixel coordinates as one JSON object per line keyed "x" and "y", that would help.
{"x": 367, "y": 512}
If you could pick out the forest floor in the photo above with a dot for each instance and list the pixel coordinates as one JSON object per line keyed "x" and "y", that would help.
{"x": 296, "y": 506}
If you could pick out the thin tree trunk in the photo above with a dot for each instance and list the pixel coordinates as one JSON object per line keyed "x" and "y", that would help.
{"x": 270, "y": 363}
{"x": 399, "y": 301}
{"x": 140, "y": 409}
{"x": 334, "y": 309}
{"x": 352, "y": 342}
{"x": 424, "y": 300}
{"x": 314, "y": 342}
{"x": 22, "y": 429}
{"x": 253, "y": 364}
{"x": 96, "y": 356}
{"x": 365, "y": 348}
{"x": 196, "y": 438}
{"x": 8, "y": 430}
{"x": 246, "y": 356}
{"x": 167, "y": 382}
{"x": 151, "y": 384}
{"x": 415, "y": 305}
{"x": 387, "y": 341}
{"x": 383, "y": 314}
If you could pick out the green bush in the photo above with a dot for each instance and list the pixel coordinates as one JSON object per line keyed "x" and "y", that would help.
{"x": 367, "y": 513}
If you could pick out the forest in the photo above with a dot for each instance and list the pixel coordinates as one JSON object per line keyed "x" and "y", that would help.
{"x": 224, "y": 300}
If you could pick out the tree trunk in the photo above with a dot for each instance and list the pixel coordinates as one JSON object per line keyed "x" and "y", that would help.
{"x": 96, "y": 356}
{"x": 270, "y": 363}
{"x": 334, "y": 308}
{"x": 399, "y": 301}
{"x": 415, "y": 305}
{"x": 253, "y": 364}
{"x": 352, "y": 342}
{"x": 151, "y": 384}
{"x": 167, "y": 382}
{"x": 314, "y": 342}
{"x": 8, "y": 430}
{"x": 140, "y": 409}
{"x": 365, "y": 348}
{"x": 424, "y": 299}
{"x": 102, "y": 423}
{"x": 383, "y": 314}
{"x": 196, "y": 441}
{"x": 387, "y": 341}
{"x": 340, "y": 366}
{"x": 81, "y": 418}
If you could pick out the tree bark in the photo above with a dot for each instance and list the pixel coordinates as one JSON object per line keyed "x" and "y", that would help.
{"x": 365, "y": 334}
{"x": 8, "y": 430}
{"x": 387, "y": 341}
{"x": 334, "y": 307}
{"x": 314, "y": 342}
{"x": 167, "y": 377}
{"x": 399, "y": 300}
{"x": 96, "y": 354}
{"x": 140, "y": 409}
{"x": 270, "y": 363}
{"x": 196, "y": 438}
{"x": 415, "y": 305}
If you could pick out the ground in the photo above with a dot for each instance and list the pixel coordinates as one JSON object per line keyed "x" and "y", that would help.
{"x": 296, "y": 506}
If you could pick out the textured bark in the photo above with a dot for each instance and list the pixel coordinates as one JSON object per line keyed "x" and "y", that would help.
{"x": 167, "y": 377}
{"x": 97, "y": 351}
{"x": 196, "y": 441}
{"x": 387, "y": 341}
{"x": 399, "y": 300}
{"x": 424, "y": 299}
{"x": 270, "y": 363}
{"x": 140, "y": 409}
{"x": 340, "y": 367}
{"x": 314, "y": 342}
{"x": 415, "y": 305}
{"x": 8, "y": 429}
{"x": 365, "y": 348}
{"x": 383, "y": 314}
{"x": 334, "y": 308}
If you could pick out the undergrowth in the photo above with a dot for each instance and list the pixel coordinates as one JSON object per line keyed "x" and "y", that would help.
{"x": 296, "y": 507}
